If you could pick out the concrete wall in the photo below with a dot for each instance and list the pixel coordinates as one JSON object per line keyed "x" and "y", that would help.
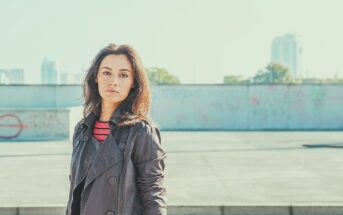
{"x": 40, "y": 96}
{"x": 75, "y": 115}
{"x": 185, "y": 107}
{"x": 256, "y": 107}
{"x": 34, "y": 124}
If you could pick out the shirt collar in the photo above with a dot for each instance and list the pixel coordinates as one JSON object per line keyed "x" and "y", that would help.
{"x": 115, "y": 118}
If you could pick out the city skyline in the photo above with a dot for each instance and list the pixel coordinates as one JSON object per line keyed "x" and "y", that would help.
{"x": 48, "y": 75}
{"x": 199, "y": 42}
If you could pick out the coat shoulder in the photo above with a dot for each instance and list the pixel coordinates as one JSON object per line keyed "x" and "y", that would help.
{"x": 147, "y": 144}
{"x": 77, "y": 129}
{"x": 146, "y": 127}
{"x": 78, "y": 125}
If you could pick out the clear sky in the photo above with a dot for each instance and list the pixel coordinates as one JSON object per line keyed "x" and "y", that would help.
{"x": 199, "y": 41}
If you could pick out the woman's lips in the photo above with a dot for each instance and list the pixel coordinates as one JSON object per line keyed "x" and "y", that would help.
{"x": 112, "y": 91}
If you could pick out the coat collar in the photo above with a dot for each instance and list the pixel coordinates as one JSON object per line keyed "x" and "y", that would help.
{"x": 115, "y": 118}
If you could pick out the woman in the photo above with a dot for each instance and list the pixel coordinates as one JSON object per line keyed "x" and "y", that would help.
{"x": 117, "y": 165}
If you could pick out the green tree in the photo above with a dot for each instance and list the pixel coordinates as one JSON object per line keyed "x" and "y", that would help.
{"x": 273, "y": 73}
{"x": 158, "y": 75}
{"x": 235, "y": 79}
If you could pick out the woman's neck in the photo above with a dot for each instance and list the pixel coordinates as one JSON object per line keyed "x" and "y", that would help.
{"x": 107, "y": 110}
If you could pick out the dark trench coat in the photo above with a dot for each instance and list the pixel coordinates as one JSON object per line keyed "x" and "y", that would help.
{"x": 124, "y": 176}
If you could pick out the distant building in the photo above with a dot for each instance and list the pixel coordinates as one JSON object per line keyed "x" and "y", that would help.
{"x": 287, "y": 51}
{"x": 79, "y": 78}
{"x": 3, "y": 76}
{"x": 16, "y": 76}
{"x": 11, "y": 76}
{"x": 71, "y": 78}
{"x": 64, "y": 79}
{"x": 49, "y": 73}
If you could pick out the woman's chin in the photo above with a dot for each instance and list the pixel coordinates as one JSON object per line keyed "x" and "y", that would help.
{"x": 111, "y": 100}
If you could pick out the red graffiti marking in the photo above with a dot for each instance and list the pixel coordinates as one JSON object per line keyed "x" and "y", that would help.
{"x": 12, "y": 123}
{"x": 272, "y": 87}
{"x": 255, "y": 101}
{"x": 297, "y": 105}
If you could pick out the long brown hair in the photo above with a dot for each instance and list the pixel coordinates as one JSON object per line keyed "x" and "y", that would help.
{"x": 136, "y": 106}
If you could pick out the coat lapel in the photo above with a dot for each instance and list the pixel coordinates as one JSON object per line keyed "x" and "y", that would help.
{"x": 85, "y": 151}
{"x": 83, "y": 160}
{"x": 108, "y": 155}
{"x": 96, "y": 162}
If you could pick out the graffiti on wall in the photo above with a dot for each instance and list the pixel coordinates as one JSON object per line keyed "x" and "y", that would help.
{"x": 34, "y": 124}
{"x": 10, "y": 126}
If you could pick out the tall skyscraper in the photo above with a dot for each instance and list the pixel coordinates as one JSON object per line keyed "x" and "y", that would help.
{"x": 49, "y": 73}
{"x": 287, "y": 51}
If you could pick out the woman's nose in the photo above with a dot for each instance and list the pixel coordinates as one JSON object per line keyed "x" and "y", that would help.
{"x": 114, "y": 80}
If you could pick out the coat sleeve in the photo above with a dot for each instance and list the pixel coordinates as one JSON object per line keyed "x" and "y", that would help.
{"x": 76, "y": 128}
{"x": 148, "y": 158}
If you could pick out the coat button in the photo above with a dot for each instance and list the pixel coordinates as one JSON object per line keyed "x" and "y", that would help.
{"x": 121, "y": 146}
{"x": 112, "y": 180}
{"x": 77, "y": 143}
{"x": 109, "y": 213}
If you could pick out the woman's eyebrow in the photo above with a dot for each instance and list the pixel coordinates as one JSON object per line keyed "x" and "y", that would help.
{"x": 105, "y": 67}
{"x": 124, "y": 70}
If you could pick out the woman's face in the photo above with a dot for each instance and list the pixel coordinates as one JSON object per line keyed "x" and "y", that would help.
{"x": 115, "y": 78}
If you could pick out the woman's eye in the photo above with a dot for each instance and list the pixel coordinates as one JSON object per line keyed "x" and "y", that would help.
{"x": 123, "y": 75}
{"x": 106, "y": 73}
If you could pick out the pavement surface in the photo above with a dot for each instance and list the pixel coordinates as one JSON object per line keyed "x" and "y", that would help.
{"x": 202, "y": 168}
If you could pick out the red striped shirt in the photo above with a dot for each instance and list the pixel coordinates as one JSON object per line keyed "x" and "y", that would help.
{"x": 101, "y": 130}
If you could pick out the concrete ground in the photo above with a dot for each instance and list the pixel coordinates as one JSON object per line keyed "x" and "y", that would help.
{"x": 203, "y": 168}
